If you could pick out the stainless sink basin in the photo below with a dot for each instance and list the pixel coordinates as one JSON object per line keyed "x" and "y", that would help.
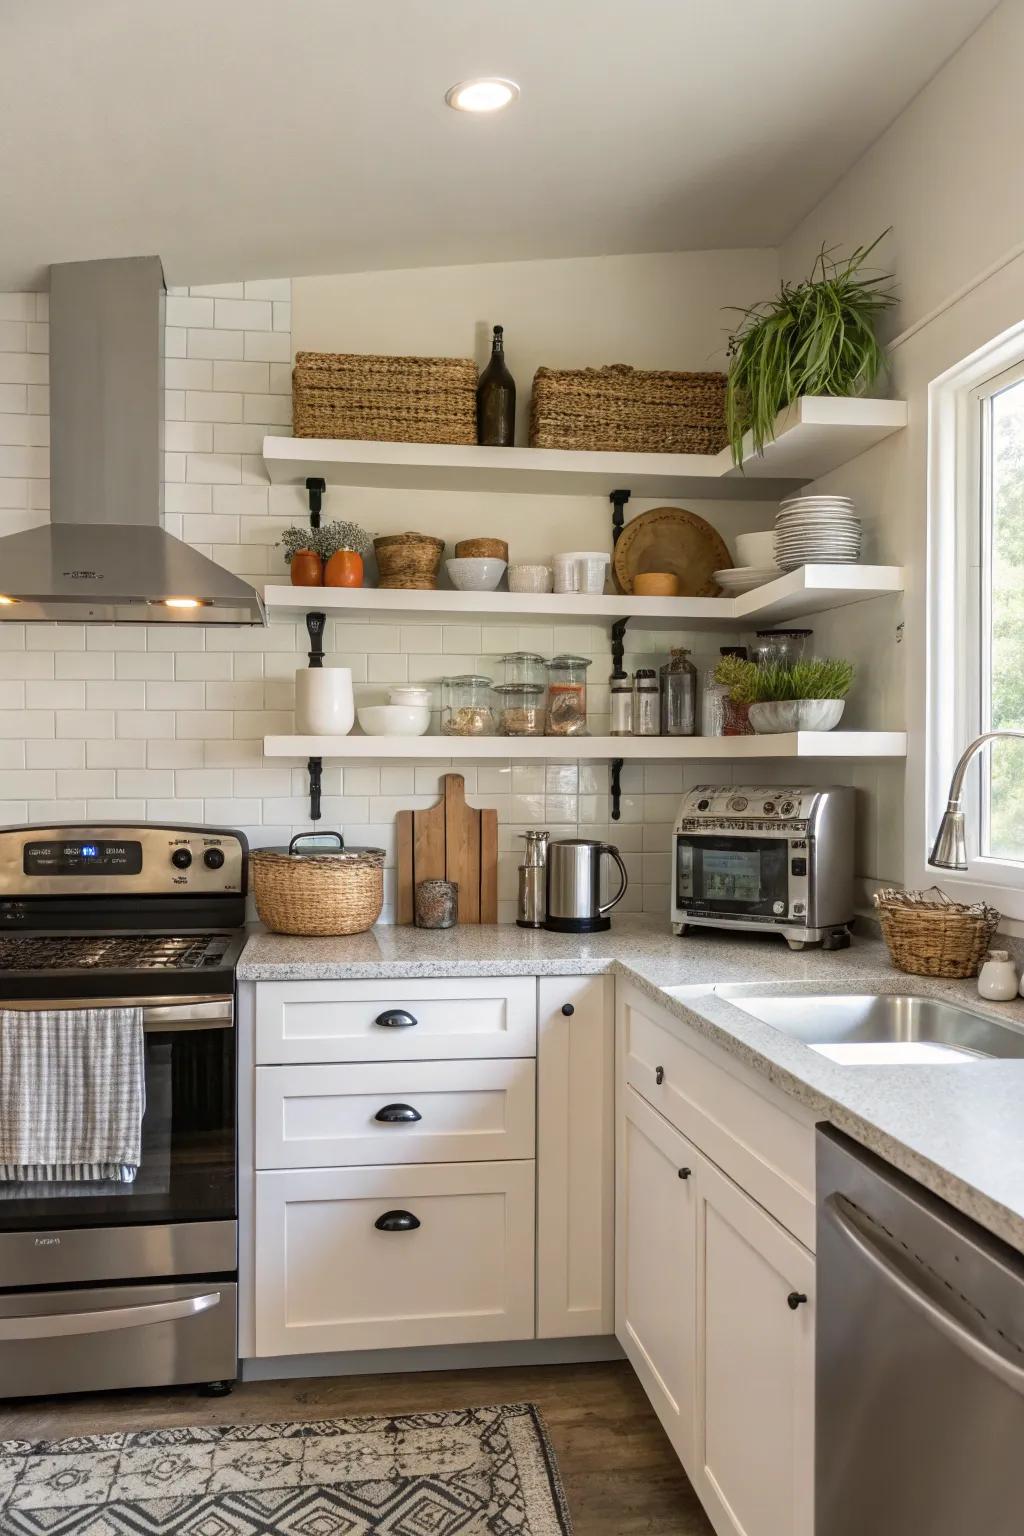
{"x": 881, "y": 1030}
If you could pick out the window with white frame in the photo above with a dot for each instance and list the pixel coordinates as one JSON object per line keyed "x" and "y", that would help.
{"x": 990, "y": 551}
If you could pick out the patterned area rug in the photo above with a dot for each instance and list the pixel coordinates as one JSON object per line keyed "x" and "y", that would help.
{"x": 479, "y": 1470}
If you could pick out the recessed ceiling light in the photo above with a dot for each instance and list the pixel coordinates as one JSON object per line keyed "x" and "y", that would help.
{"x": 482, "y": 95}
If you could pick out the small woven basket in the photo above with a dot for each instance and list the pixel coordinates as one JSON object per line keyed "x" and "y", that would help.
{"x": 384, "y": 399}
{"x": 930, "y": 935}
{"x": 408, "y": 560}
{"x": 318, "y": 896}
{"x": 630, "y": 410}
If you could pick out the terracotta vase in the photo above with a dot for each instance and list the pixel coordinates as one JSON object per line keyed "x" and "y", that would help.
{"x": 307, "y": 569}
{"x": 344, "y": 569}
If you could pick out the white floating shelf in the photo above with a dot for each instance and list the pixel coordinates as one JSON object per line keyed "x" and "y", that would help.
{"x": 815, "y": 435}
{"x": 810, "y": 589}
{"x": 796, "y": 744}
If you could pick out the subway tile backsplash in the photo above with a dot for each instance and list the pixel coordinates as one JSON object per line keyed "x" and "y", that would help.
{"x": 124, "y": 722}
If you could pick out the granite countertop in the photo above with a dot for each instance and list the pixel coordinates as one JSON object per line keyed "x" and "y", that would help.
{"x": 958, "y": 1128}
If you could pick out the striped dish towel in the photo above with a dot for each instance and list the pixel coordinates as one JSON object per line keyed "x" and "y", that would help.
{"x": 72, "y": 1094}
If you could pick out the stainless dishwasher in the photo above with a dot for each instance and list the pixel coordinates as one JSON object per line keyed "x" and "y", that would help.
{"x": 920, "y": 1360}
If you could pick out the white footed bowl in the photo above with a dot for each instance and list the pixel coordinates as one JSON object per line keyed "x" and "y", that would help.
{"x": 394, "y": 719}
{"x": 796, "y": 715}
{"x": 470, "y": 573}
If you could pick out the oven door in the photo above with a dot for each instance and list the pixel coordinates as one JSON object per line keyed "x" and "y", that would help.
{"x": 746, "y": 877}
{"x": 187, "y": 1171}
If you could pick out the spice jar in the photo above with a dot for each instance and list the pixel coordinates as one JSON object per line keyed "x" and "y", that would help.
{"x": 520, "y": 709}
{"x": 567, "y": 696}
{"x": 646, "y": 703}
{"x": 621, "y": 705}
{"x": 678, "y": 695}
{"x": 437, "y": 904}
{"x": 466, "y": 706}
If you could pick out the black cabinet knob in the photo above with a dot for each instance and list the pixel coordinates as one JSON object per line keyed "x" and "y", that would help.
{"x": 397, "y": 1221}
{"x": 396, "y": 1018}
{"x": 398, "y": 1114}
{"x": 684, "y": 1173}
{"x": 568, "y": 1010}
{"x": 659, "y": 1075}
{"x": 795, "y": 1299}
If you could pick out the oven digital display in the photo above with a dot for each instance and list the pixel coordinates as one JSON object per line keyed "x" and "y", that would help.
{"x": 77, "y": 858}
{"x": 731, "y": 876}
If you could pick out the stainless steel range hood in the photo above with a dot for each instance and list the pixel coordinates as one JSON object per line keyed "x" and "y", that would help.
{"x": 104, "y": 557}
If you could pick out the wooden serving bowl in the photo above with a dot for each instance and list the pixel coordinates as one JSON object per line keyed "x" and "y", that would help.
{"x": 655, "y": 584}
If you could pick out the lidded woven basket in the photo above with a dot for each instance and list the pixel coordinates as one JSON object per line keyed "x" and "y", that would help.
{"x": 930, "y": 935}
{"x": 318, "y": 892}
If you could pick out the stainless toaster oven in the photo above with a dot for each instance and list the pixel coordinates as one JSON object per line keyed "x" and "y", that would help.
{"x": 775, "y": 858}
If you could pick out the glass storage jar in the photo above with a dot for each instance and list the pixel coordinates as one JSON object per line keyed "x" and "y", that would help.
{"x": 525, "y": 667}
{"x": 781, "y": 646}
{"x": 520, "y": 709}
{"x": 567, "y": 696}
{"x": 646, "y": 703}
{"x": 621, "y": 697}
{"x": 678, "y": 695}
{"x": 466, "y": 706}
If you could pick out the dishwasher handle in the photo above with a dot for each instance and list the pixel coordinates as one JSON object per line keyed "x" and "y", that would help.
{"x": 950, "y": 1327}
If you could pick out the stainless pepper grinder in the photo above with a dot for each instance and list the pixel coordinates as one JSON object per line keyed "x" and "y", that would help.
{"x": 533, "y": 879}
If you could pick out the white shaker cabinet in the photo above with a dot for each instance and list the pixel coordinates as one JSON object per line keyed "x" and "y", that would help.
{"x": 755, "y": 1366}
{"x": 656, "y": 1233}
{"x": 575, "y": 1156}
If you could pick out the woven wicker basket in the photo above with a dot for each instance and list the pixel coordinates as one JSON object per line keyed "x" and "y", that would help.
{"x": 318, "y": 895}
{"x": 384, "y": 399}
{"x": 630, "y": 410}
{"x": 408, "y": 560}
{"x": 929, "y": 935}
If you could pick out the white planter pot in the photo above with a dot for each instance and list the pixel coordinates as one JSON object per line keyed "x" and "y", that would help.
{"x": 796, "y": 715}
{"x": 324, "y": 704}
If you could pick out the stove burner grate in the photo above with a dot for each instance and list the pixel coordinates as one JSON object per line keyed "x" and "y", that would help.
{"x": 112, "y": 952}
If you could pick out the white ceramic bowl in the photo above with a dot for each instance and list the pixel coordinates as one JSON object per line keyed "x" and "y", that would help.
{"x": 394, "y": 719}
{"x": 756, "y": 549}
{"x": 470, "y": 574}
{"x": 779, "y": 715}
{"x": 529, "y": 578}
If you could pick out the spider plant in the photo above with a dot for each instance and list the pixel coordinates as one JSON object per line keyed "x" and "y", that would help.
{"x": 814, "y": 338}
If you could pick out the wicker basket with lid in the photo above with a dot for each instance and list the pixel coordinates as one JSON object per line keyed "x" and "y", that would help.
{"x": 318, "y": 891}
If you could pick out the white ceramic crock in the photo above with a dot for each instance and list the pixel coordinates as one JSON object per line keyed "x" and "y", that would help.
{"x": 324, "y": 704}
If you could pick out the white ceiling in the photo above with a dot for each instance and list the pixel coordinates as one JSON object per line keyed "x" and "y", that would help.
{"x": 269, "y": 137}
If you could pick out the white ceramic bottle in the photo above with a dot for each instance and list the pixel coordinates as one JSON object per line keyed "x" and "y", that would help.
{"x": 997, "y": 979}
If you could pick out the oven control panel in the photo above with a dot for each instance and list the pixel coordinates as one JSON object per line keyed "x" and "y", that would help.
{"x": 146, "y": 860}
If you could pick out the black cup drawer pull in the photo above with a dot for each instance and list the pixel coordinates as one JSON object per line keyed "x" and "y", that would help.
{"x": 795, "y": 1299}
{"x": 397, "y": 1221}
{"x": 398, "y": 1114}
{"x": 396, "y": 1018}
{"x": 659, "y": 1075}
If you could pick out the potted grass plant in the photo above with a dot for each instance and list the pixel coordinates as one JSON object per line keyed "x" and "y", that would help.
{"x": 813, "y": 338}
{"x": 805, "y": 695}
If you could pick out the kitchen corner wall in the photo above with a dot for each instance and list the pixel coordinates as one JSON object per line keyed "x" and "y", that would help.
{"x": 166, "y": 722}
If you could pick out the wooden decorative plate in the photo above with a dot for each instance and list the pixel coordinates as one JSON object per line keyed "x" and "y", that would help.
{"x": 672, "y": 539}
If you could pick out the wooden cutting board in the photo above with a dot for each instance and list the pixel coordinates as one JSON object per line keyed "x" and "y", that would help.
{"x": 451, "y": 841}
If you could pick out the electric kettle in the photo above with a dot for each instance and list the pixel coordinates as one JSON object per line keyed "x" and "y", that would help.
{"x": 574, "y": 886}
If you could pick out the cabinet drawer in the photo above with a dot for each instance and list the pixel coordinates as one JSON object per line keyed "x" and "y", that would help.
{"x": 362, "y": 1112}
{"x": 329, "y": 1278}
{"x": 767, "y": 1150}
{"x": 402, "y": 1020}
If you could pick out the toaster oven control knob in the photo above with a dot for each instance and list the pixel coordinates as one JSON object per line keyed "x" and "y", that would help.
{"x": 738, "y": 803}
{"x": 703, "y": 805}
{"x": 213, "y": 858}
{"x": 769, "y": 808}
{"x": 181, "y": 858}
{"x": 788, "y": 807}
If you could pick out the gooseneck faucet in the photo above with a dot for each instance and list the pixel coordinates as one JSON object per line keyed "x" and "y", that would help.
{"x": 949, "y": 850}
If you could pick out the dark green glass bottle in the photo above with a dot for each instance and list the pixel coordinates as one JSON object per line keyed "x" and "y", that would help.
{"x": 496, "y": 399}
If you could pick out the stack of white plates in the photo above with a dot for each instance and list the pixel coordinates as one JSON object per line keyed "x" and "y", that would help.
{"x": 817, "y": 530}
{"x": 744, "y": 578}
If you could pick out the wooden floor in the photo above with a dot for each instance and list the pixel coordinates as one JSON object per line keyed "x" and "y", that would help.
{"x": 619, "y": 1471}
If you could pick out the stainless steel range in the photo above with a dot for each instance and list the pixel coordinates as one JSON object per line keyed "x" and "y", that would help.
{"x": 117, "y": 1284}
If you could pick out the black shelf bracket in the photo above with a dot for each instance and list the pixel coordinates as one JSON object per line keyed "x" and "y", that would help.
{"x": 616, "y": 786}
{"x": 315, "y": 623}
{"x": 316, "y": 779}
{"x": 316, "y": 487}
{"x": 618, "y": 500}
{"x": 618, "y": 643}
